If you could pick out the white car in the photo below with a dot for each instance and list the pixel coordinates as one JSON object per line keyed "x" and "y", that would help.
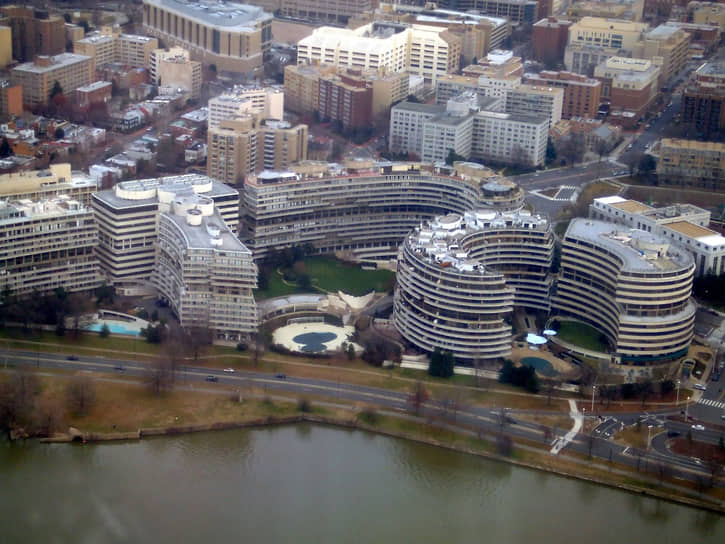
{"x": 698, "y": 427}
{"x": 700, "y": 387}
{"x": 230, "y": 370}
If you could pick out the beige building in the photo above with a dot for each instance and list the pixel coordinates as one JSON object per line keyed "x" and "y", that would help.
{"x": 233, "y": 37}
{"x": 46, "y": 245}
{"x": 608, "y": 9}
{"x": 594, "y": 39}
{"x": 109, "y": 45}
{"x": 247, "y": 145}
{"x": 265, "y": 101}
{"x": 302, "y": 86}
{"x": 706, "y": 13}
{"x": 181, "y": 73}
{"x": 38, "y": 78}
{"x": 536, "y": 100}
{"x": 6, "y": 46}
{"x": 157, "y": 55}
{"x": 46, "y": 184}
{"x": 497, "y": 73}
{"x": 690, "y": 163}
{"x": 667, "y": 47}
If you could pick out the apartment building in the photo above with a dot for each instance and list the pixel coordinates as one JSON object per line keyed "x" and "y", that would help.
{"x": 668, "y": 47}
{"x": 448, "y": 131}
{"x": 703, "y": 100}
{"x": 684, "y": 225}
{"x": 247, "y": 145}
{"x": 231, "y": 36}
{"x": 459, "y": 278}
{"x": 427, "y": 51}
{"x": 11, "y": 99}
{"x": 40, "y": 185}
{"x": 180, "y": 73}
{"x": 109, "y": 45}
{"x": 704, "y": 39}
{"x": 706, "y": 13}
{"x": 548, "y": 39}
{"x": 631, "y": 285}
{"x": 535, "y": 100}
{"x": 38, "y": 77}
{"x": 302, "y": 86}
{"x": 203, "y": 271}
{"x": 582, "y": 94}
{"x": 242, "y": 99}
{"x": 691, "y": 163}
{"x": 497, "y": 73}
{"x": 592, "y": 40}
{"x": 509, "y": 138}
{"x": 128, "y": 215}
{"x": 629, "y": 85}
{"x": 452, "y": 85}
{"x": 46, "y": 245}
{"x": 518, "y": 11}
{"x": 362, "y": 210}
{"x": 33, "y": 32}
{"x": 158, "y": 55}
{"x": 407, "y": 120}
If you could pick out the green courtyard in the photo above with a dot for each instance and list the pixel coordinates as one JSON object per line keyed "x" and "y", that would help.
{"x": 582, "y": 335}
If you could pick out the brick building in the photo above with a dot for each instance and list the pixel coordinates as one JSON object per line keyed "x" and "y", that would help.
{"x": 703, "y": 101}
{"x": 89, "y": 95}
{"x": 33, "y": 32}
{"x": 548, "y": 39}
{"x": 582, "y": 94}
{"x": 629, "y": 85}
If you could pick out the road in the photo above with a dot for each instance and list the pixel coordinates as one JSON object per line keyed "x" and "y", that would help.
{"x": 488, "y": 420}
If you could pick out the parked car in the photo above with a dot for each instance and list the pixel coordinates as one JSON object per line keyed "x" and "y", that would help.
{"x": 673, "y": 434}
{"x": 698, "y": 427}
{"x": 72, "y": 357}
{"x": 281, "y": 376}
{"x": 700, "y": 387}
{"x": 229, "y": 370}
{"x": 119, "y": 368}
{"x": 211, "y": 378}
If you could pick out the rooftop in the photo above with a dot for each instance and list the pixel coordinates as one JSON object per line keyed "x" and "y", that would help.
{"x": 638, "y": 250}
{"x": 701, "y": 234}
{"x": 211, "y": 232}
{"x": 14, "y": 211}
{"x": 432, "y": 109}
{"x": 55, "y": 62}
{"x": 227, "y": 15}
{"x": 662, "y": 32}
{"x": 630, "y": 206}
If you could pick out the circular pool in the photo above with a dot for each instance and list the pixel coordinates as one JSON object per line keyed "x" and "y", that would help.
{"x": 312, "y": 337}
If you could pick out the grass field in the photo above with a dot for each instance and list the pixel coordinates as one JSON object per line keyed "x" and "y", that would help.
{"x": 581, "y": 335}
{"x": 329, "y": 274}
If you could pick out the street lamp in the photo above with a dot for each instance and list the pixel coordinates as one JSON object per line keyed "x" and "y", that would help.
{"x": 687, "y": 405}
{"x": 649, "y": 435}
{"x": 594, "y": 390}
{"x": 677, "y": 402}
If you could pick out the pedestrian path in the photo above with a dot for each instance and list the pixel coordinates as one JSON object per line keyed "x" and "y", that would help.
{"x": 710, "y": 402}
{"x": 576, "y": 415}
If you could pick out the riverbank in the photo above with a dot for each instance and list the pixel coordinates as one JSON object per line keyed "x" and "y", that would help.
{"x": 418, "y": 430}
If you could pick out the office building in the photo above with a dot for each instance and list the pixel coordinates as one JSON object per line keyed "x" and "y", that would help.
{"x": 362, "y": 210}
{"x": 203, "y": 271}
{"x": 548, "y": 39}
{"x": 537, "y": 101}
{"x": 109, "y": 45}
{"x": 459, "y": 278}
{"x": 497, "y": 73}
{"x": 180, "y": 73}
{"x": 582, "y": 94}
{"x": 518, "y": 11}
{"x": 422, "y": 50}
{"x": 233, "y": 37}
{"x": 6, "y": 46}
{"x": 631, "y": 285}
{"x": 629, "y": 10}
{"x": 703, "y": 100}
{"x": 630, "y": 86}
{"x": 452, "y": 85}
{"x": 128, "y": 217}
{"x": 684, "y": 225}
{"x": 668, "y": 47}
{"x": 158, "y": 55}
{"x": 247, "y": 145}
{"x": 592, "y": 40}
{"x": 337, "y": 12}
{"x": 39, "y": 77}
{"x": 508, "y": 138}
{"x": 706, "y": 13}
{"x": 46, "y": 245}
{"x": 407, "y": 120}
{"x": 39, "y": 185}
{"x": 692, "y": 164}
{"x": 243, "y": 99}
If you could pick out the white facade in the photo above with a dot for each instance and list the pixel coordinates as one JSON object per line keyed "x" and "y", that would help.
{"x": 502, "y": 136}
{"x": 267, "y": 101}
{"x": 157, "y": 55}
{"x": 536, "y": 100}
{"x": 406, "y": 126}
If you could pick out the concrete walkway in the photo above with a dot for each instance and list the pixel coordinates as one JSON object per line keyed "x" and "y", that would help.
{"x": 561, "y": 442}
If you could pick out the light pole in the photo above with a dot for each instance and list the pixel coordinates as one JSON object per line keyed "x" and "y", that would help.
{"x": 687, "y": 405}
{"x": 594, "y": 390}
{"x": 649, "y": 435}
{"x": 677, "y": 402}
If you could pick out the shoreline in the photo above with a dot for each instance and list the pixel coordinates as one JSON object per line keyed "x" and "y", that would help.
{"x": 354, "y": 423}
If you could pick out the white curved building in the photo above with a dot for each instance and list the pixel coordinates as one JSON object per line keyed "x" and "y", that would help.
{"x": 629, "y": 284}
{"x": 460, "y": 276}
{"x": 362, "y": 209}
{"x": 203, "y": 271}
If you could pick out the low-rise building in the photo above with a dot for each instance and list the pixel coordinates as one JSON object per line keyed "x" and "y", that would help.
{"x": 668, "y": 47}
{"x": 98, "y": 92}
{"x": 11, "y": 99}
{"x": 181, "y": 73}
{"x": 692, "y": 164}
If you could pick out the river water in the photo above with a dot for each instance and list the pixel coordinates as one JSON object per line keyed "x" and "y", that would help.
{"x": 313, "y": 484}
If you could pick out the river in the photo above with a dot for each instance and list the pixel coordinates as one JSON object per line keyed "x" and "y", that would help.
{"x": 312, "y": 484}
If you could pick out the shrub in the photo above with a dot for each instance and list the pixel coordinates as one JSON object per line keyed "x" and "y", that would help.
{"x": 105, "y": 332}
{"x": 304, "y": 406}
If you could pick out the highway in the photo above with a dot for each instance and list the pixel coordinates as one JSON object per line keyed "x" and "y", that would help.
{"x": 486, "y": 420}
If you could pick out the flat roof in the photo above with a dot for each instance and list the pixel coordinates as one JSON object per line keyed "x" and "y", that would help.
{"x": 631, "y": 206}
{"x": 200, "y": 237}
{"x": 690, "y": 229}
{"x": 56, "y": 61}
{"x": 227, "y": 15}
{"x": 433, "y": 109}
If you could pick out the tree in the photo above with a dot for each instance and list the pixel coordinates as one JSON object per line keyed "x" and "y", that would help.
{"x": 418, "y": 397}
{"x": 441, "y": 363}
{"x": 520, "y": 158}
{"x": 160, "y": 375}
{"x": 350, "y": 352}
{"x": 81, "y": 394}
{"x": 78, "y": 308}
{"x": 602, "y": 148}
{"x": 59, "y": 133}
{"x": 631, "y": 160}
{"x": 453, "y": 157}
{"x": 550, "y": 151}
{"x": 5, "y": 149}
{"x": 572, "y": 150}
{"x": 105, "y": 332}
{"x": 647, "y": 165}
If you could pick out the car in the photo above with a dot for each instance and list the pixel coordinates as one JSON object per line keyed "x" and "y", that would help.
{"x": 700, "y": 387}
{"x": 630, "y": 146}
{"x": 211, "y": 378}
{"x": 229, "y": 370}
{"x": 698, "y": 427}
{"x": 72, "y": 357}
{"x": 119, "y": 368}
{"x": 673, "y": 434}
{"x": 281, "y": 376}
{"x": 722, "y": 416}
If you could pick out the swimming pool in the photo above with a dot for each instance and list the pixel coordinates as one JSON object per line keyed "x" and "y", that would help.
{"x": 115, "y": 327}
{"x": 542, "y": 366}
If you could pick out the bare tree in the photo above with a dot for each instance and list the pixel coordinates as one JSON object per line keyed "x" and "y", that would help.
{"x": 159, "y": 375}
{"x": 418, "y": 397}
{"x": 572, "y": 149}
{"x": 78, "y": 307}
{"x": 504, "y": 444}
{"x": 81, "y": 394}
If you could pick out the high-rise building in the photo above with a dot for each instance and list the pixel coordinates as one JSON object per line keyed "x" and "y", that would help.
{"x": 703, "y": 101}
{"x": 497, "y": 73}
{"x": 38, "y": 185}
{"x": 233, "y": 37}
{"x": 327, "y": 12}
{"x": 38, "y": 78}
{"x": 519, "y": 11}
{"x": 537, "y": 101}
{"x": 548, "y": 39}
{"x": 203, "y": 271}
{"x": 46, "y": 245}
{"x": 582, "y": 94}
{"x": 668, "y": 47}
{"x": 243, "y": 146}
{"x": 111, "y": 46}
{"x": 265, "y": 101}
{"x": 33, "y": 32}
{"x": 692, "y": 164}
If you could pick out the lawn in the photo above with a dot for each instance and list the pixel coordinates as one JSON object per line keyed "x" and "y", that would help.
{"x": 329, "y": 274}
{"x": 582, "y": 335}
